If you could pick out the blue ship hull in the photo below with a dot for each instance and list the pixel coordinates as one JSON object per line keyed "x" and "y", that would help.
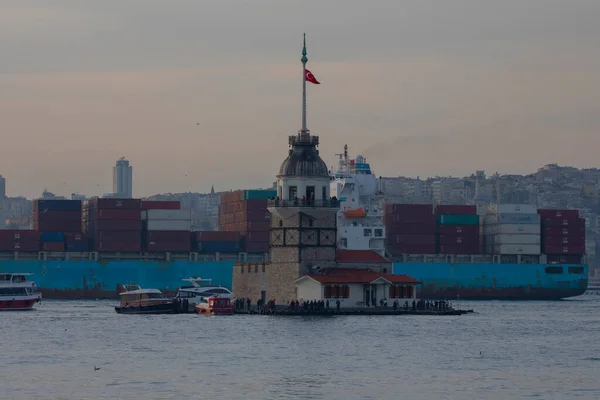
{"x": 480, "y": 281}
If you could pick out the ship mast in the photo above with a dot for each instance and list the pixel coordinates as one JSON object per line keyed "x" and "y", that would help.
{"x": 304, "y": 132}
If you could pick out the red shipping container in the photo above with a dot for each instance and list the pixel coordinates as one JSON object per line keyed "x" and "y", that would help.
{"x": 55, "y": 215}
{"x": 53, "y": 246}
{"x": 22, "y": 245}
{"x": 394, "y": 240}
{"x": 456, "y": 210}
{"x": 413, "y": 249}
{"x": 558, "y": 214}
{"x": 17, "y": 235}
{"x": 563, "y": 259}
{"x": 217, "y": 236}
{"x": 118, "y": 246}
{"x": 125, "y": 236}
{"x": 169, "y": 236}
{"x": 108, "y": 203}
{"x": 468, "y": 248}
{"x": 458, "y": 240}
{"x": 568, "y": 249}
{"x": 117, "y": 225}
{"x": 423, "y": 228}
{"x": 399, "y": 219}
{"x": 257, "y": 247}
{"x": 184, "y": 247}
{"x": 254, "y": 215}
{"x": 574, "y": 223}
{"x": 564, "y": 240}
{"x": 563, "y": 231}
{"x": 261, "y": 236}
{"x": 257, "y": 226}
{"x": 467, "y": 230}
{"x": 116, "y": 214}
{"x": 75, "y": 237}
{"x": 409, "y": 209}
{"x": 160, "y": 205}
{"x": 57, "y": 226}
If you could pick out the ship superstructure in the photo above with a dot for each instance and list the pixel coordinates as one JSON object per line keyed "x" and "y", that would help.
{"x": 360, "y": 218}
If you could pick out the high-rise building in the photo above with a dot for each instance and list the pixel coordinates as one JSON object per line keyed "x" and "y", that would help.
{"x": 123, "y": 179}
{"x": 2, "y": 187}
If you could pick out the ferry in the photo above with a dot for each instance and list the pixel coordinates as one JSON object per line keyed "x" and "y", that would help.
{"x": 17, "y": 293}
{"x": 215, "y": 305}
{"x": 135, "y": 300}
{"x": 201, "y": 289}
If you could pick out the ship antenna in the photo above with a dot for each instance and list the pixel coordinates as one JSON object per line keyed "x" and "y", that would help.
{"x": 304, "y": 60}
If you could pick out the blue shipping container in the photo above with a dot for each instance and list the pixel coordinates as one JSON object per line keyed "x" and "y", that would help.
{"x": 52, "y": 236}
{"x": 59, "y": 205}
{"x": 219, "y": 247}
{"x": 78, "y": 247}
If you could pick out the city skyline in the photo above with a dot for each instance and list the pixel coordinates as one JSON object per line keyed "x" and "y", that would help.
{"x": 418, "y": 89}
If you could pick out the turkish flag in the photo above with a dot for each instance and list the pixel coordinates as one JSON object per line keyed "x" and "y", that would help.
{"x": 310, "y": 77}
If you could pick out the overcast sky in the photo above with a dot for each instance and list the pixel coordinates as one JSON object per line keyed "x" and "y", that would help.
{"x": 196, "y": 93}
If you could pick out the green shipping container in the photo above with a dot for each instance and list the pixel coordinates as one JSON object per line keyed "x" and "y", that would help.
{"x": 259, "y": 194}
{"x": 458, "y": 219}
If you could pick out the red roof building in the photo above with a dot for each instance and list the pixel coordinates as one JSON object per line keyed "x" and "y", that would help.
{"x": 359, "y": 256}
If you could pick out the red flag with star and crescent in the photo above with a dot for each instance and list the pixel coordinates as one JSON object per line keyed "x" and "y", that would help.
{"x": 310, "y": 77}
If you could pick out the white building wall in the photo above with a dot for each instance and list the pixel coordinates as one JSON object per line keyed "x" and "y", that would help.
{"x": 284, "y": 183}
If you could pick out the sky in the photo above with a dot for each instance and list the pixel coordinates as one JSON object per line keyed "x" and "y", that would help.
{"x": 196, "y": 93}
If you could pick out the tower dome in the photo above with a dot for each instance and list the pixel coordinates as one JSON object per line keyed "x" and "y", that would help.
{"x": 303, "y": 159}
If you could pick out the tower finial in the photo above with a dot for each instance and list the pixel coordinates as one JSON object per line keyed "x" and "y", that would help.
{"x": 304, "y": 59}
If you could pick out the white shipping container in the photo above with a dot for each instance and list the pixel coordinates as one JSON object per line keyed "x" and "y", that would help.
{"x": 169, "y": 225}
{"x": 512, "y": 219}
{"x": 171, "y": 215}
{"x": 512, "y": 229}
{"x": 516, "y": 239}
{"x": 512, "y": 209}
{"x": 515, "y": 249}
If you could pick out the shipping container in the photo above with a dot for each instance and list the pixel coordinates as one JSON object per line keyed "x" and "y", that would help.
{"x": 516, "y": 249}
{"x": 259, "y": 194}
{"x": 428, "y": 227}
{"x": 52, "y": 237}
{"x": 564, "y": 259}
{"x": 116, "y": 214}
{"x": 472, "y": 240}
{"x": 110, "y": 203}
{"x": 512, "y": 229}
{"x": 69, "y": 215}
{"x": 62, "y": 205}
{"x": 73, "y": 237}
{"x": 257, "y": 247}
{"x": 460, "y": 248}
{"x": 160, "y": 205}
{"x": 124, "y": 236}
{"x": 216, "y": 236}
{"x": 458, "y": 219}
{"x": 53, "y": 246}
{"x": 117, "y": 225}
{"x": 219, "y": 247}
{"x": 394, "y": 240}
{"x": 168, "y": 236}
{"x": 470, "y": 230}
{"x": 169, "y": 225}
{"x": 408, "y": 209}
{"x": 566, "y": 249}
{"x": 563, "y": 231}
{"x": 119, "y": 246}
{"x": 564, "y": 240}
{"x": 512, "y": 209}
{"x": 167, "y": 215}
{"x": 165, "y": 246}
{"x": 412, "y": 249}
{"x": 558, "y": 214}
{"x": 516, "y": 239}
{"x": 57, "y": 226}
{"x": 570, "y": 222}
{"x": 20, "y": 245}
{"x": 16, "y": 235}
{"x": 257, "y": 236}
{"x": 79, "y": 247}
{"x": 258, "y": 226}
{"x": 512, "y": 219}
{"x": 395, "y": 219}
{"x": 456, "y": 210}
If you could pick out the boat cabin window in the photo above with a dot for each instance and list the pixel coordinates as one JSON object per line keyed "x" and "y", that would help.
{"x": 378, "y": 232}
{"x": 368, "y": 232}
{"x": 554, "y": 270}
{"x": 185, "y": 294}
{"x": 13, "y": 292}
{"x": 576, "y": 270}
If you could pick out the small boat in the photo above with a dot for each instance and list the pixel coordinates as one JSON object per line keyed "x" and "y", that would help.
{"x": 135, "y": 300}
{"x": 17, "y": 293}
{"x": 215, "y": 305}
{"x": 199, "y": 290}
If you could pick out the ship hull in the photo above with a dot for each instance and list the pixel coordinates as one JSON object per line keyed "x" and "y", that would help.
{"x": 496, "y": 281}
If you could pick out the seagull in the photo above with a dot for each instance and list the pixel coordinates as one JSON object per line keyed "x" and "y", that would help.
{"x": 96, "y": 368}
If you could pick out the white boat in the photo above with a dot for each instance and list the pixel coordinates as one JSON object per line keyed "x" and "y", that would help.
{"x": 17, "y": 293}
{"x": 201, "y": 289}
{"x": 360, "y": 218}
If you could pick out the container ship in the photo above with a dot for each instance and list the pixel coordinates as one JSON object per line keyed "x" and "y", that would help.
{"x": 491, "y": 252}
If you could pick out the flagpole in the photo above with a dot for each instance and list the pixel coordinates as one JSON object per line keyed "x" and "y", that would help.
{"x": 304, "y": 59}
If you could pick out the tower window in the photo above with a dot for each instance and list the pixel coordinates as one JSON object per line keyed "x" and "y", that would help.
{"x": 280, "y": 223}
{"x": 324, "y": 193}
{"x": 293, "y": 192}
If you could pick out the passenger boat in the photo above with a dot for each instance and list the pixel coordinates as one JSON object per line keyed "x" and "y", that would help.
{"x": 17, "y": 293}
{"x": 199, "y": 290}
{"x": 135, "y": 300}
{"x": 215, "y": 305}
